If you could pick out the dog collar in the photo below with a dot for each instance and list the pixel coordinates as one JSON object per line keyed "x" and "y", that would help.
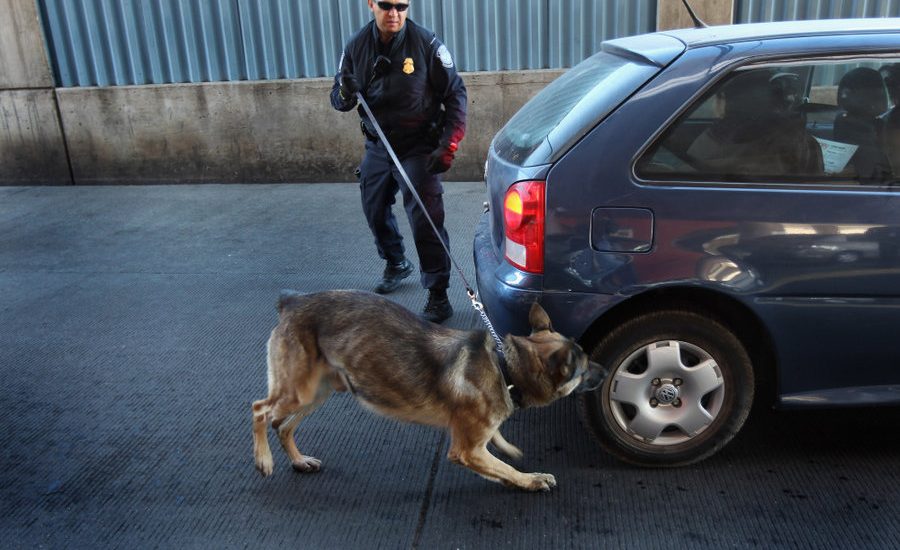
{"x": 514, "y": 393}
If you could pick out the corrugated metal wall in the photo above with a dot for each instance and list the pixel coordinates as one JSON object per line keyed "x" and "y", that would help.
{"x": 754, "y": 11}
{"x": 109, "y": 42}
{"x": 120, "y": 42}
{"x": 295, "y": 39}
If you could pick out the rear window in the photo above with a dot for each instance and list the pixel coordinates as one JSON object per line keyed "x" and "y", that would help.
{"x": 570, "y": 106}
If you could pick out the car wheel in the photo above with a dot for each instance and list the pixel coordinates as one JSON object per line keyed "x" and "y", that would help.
{"x": 680, "y": 387}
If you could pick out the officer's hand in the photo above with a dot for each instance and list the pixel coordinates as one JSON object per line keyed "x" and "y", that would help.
{"x": 349, "y": 86}
{"x": 441, "y": 158}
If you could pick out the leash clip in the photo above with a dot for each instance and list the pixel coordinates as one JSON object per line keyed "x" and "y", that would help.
{"x": 475, "y": 303}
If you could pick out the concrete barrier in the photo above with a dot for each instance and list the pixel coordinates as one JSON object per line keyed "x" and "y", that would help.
{"x": 32, "y": 149}
{"x": 266, "y": 131}
{"x": 23, "y": 61}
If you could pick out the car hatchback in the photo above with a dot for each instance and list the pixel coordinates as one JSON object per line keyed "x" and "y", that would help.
{"x": 713, "y": 214}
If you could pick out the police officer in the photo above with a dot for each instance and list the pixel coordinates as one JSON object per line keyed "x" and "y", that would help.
{"x": 408, "y": 79}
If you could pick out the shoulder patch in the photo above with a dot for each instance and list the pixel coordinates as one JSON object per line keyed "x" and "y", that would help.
{"x": 444, "y": 55}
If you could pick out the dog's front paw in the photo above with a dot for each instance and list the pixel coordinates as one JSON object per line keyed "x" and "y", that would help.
{"x": 307, "y": 465}
{"x": 265, "y": 465}
{"x": 541, "y": 482}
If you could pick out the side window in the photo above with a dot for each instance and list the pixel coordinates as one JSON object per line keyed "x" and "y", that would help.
{"x": 831, "y": 123}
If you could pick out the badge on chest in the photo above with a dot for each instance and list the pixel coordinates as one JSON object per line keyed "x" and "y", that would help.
{"x": 408, "y": 67}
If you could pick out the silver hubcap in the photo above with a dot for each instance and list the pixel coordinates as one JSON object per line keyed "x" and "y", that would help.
{"x": 666, "y": 393}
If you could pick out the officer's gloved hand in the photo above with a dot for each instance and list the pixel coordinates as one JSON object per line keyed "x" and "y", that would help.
{"x": 441, "y": 158}
{"x": 349, "y": 86}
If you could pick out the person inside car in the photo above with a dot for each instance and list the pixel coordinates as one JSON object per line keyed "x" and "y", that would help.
{"x": 760, "y": 131}
{"x": 890, "y": 120}
{"x": 863, "y": 100}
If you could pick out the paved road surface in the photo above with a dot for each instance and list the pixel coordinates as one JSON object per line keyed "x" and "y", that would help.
{"x": 132, "y": 329}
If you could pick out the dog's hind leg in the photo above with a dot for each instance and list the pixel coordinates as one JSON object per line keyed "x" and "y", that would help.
{"x": 506, "y": 447}
{"x": 287, "y": 425}
{"x": 262, "y": 454}
{"x": 294, "y": 390}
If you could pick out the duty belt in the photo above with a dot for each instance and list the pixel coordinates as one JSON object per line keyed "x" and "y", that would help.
{"x": 428, "y": 132}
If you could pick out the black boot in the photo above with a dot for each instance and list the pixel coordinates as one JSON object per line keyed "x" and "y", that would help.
{"x": 438, "y": 308}
{"x": 393, "y": 274}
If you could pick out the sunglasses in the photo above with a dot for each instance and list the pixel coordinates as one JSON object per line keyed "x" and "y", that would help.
{"x": 388, "y": 6}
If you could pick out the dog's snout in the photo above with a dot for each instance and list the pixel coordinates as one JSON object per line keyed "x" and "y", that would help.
{"x": 593, "y": 378}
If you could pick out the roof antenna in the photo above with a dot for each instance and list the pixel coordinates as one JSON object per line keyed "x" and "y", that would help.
{"x": 698, "y": 23}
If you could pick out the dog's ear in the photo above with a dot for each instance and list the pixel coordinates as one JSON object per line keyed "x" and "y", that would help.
{"x": 539, "y": 319}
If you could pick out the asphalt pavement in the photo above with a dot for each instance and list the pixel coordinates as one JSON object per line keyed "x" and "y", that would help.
{"x": 133, "y": 323}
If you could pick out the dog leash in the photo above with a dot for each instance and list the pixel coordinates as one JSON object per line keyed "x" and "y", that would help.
{"x": 479, "y": 307}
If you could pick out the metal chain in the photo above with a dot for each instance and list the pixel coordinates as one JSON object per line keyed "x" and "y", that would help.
{"x": 479, "y": 307}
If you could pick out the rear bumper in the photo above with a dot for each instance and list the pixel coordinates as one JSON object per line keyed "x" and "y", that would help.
{"x": 507, "y": 294}
{"x": 506, "y": 305}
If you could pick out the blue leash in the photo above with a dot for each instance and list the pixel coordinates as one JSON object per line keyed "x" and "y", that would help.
{"x": 479, "y": 307}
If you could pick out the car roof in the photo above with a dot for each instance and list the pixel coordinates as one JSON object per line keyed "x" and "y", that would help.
{"x": 699, "y": 37}
{"x": 662, "y": 47}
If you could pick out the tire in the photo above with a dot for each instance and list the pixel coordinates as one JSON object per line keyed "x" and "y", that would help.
{"x": 680, "y": 386}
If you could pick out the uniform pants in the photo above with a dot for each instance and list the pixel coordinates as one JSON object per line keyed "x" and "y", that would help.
{"x": 379, "y": 183}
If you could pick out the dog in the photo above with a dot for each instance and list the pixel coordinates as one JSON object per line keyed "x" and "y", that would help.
{"x": 404, "y": 367}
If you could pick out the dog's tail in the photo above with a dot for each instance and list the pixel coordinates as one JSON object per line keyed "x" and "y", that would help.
{"x": 262, "y": 454}
{"x": 287, "y": 297}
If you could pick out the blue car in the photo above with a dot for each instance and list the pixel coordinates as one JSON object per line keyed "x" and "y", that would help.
{"x": 713, "y": 214}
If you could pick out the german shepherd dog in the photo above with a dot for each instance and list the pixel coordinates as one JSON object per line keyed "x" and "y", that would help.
{"x": 402, "y": 366}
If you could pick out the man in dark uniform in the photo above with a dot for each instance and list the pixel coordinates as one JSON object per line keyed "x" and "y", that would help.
{"x": 408, "y": 79}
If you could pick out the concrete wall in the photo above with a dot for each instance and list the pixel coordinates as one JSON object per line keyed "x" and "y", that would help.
{"x": 267, "y": 131}
{"x": 23, "y": 63}
{"x": 32, "y": 149}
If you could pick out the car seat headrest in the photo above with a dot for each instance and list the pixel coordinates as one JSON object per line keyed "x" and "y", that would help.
{"x": 861, "y": 92}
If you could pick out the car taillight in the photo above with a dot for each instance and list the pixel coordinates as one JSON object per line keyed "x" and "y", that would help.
{"x": 523, "y": 217}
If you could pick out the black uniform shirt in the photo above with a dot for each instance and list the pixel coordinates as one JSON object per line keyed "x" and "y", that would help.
{"x": 407, "y": 100}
